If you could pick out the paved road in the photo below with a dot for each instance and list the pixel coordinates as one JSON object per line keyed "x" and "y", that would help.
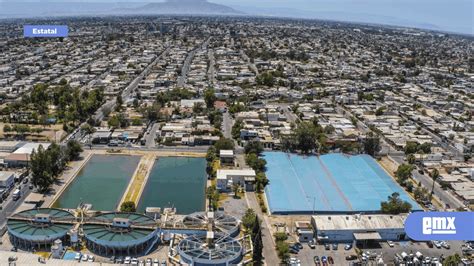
{"x": 9, "y": 205}
{"x": 150, "y": 138}
{"x": 187, "y": 63}
{"x": 212, "y": 69}
{"x": 227, "y": 123}
{"x": 269, "y": 252}
{"x": 444, "y": 195}
{"x": 250, "y": 64}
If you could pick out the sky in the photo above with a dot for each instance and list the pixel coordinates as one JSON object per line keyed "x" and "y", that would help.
{"x": 443, "y": 15}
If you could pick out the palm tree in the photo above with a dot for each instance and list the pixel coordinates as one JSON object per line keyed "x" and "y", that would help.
{"x": 235, "y": 189}
{"x": 434, "y": 176}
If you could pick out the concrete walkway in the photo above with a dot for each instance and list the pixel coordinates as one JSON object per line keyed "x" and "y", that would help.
{"x": 139, "y": 180}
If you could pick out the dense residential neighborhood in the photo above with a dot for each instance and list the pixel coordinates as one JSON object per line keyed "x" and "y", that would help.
{"x": 290, "y": 133}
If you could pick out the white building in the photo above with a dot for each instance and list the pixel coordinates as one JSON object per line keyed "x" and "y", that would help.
{"x": 227, "y": 177}
{"x": 7, "y": 179}
{"x": 363, "y": 228}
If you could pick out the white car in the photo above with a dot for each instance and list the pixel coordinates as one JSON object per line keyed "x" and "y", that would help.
{"x": 127, "y": 260}
{"x": 437, "y": 244}
{"x": 85, "y": 257}
{"x": 78, "y": 256}
{"x": 134, "y": 261}
{"x": 390, "y": 244}
{"x": 91, "y": 258}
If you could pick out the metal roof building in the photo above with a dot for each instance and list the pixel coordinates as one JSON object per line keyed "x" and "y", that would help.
{"x": 348, "y": 228}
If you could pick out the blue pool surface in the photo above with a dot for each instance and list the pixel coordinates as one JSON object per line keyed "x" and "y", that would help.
{"x": 333, "y": 183}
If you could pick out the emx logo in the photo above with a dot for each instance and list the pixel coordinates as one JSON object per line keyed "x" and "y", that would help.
{"x": 439, "y": 225}
{"x": 424, "y": 226}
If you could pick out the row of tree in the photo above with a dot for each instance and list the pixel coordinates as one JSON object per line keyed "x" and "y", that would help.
{"x": 47, "y": 164}
{"x": 252, "y": 224}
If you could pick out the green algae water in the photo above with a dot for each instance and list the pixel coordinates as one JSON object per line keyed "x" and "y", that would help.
{"x": 178, "y": 182}
{"x": 101, "y": 182}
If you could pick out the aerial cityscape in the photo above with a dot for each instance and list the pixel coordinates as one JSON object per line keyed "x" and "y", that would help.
{"x": 228, "y": 139}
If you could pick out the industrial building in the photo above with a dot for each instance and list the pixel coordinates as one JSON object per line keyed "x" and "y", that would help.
{"x": 227, "y": 177}
{"x": 359, "y": 228}
{"x": 318, "y": 184}
{"x": 39, "y": 228}
{"x": 7, "y": 179}
{"x": 118, "y": 233}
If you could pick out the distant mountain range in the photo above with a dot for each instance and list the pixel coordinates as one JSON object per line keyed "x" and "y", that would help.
{"x": 49, "y": 8}
{"x": 183, "y": 7}
{"x": 55, "y": 8}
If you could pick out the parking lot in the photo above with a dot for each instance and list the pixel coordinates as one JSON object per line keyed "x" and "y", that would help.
{"x": 387, "y": 253}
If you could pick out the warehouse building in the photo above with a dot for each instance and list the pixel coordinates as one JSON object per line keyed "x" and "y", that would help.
{"x": 362, "y": 229}
{"x": 7, "y": 179}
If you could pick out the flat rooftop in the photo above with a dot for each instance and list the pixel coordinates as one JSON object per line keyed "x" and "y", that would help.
{"x": 358, "y": 222}
{"x": 331, "y": 183}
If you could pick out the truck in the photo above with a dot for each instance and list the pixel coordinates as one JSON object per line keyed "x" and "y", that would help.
{"x": 16, "y": 194}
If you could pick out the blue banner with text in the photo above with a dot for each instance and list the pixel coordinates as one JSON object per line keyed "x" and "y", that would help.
{"x": 32, "y": 31}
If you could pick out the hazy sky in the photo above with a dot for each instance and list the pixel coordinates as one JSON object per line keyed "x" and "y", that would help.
{"x": 446, "y": 15}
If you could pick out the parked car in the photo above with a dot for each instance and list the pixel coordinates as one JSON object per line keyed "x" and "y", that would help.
{"x": 316, "y": 259}
{"x": 390, "y": 244}
{"x": 91, "y": 258}
{"x": 324, "y": 259}
{"x": 134, "y": 261}
{"x": 311, "y": 244}
{"x": 293, "y": 251}
{"x": 351, "y": 257}
{"x": 327, "y": 247}
{"x": 330, "y": 260}
{"x": 85, "y": 257}
{"x": 437, "y": 244}
{"x": 78, "y": 256}
{"x": 348, "y": 247}
{"x": 334, "y": 246}
{"x": 127, "y": 260}
{"x": 149, "y": 262}
{"x": 298, "y": 245}
{"x": 163, "y": 263}
{"x": 445, "y": 245}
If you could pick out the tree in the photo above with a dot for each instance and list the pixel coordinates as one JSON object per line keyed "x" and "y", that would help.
{"x": 7, "y": 128}
{"x": 261, "y": 181}
{"x": 305, "y": 135}
{"x": 403, "y": 172}
{"x": 434, "y": 175}
{"x": 224, "y": 144}
{"x": 411, "y": 159}
{"x": 283, "y": 250}
{"x": 257, "y": 243}
{"x": 128, "y": 206}
{"x": 235, "y": 189}
{"x": 257, "y": 164}
{"x": 452, "y": 260}
{"x": 395, "y": 205}
{"x": 371, "y": 144}
{"x": 211, "y": 154}
{"x": 411, "y": 147}
{"x": 119, "y": 103}
{"x": 255, "y": 147}
{"x": 238, "y": 125}
{"x": 198, "y": 108}
{"x": 57, "y": 158}
{"x": 42, "y": 177}
{"x": 210, "y": 97}
{"x": 280, "y": 236}
{"x": 248, "y": 219}
{"x": 73, "y": 150}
